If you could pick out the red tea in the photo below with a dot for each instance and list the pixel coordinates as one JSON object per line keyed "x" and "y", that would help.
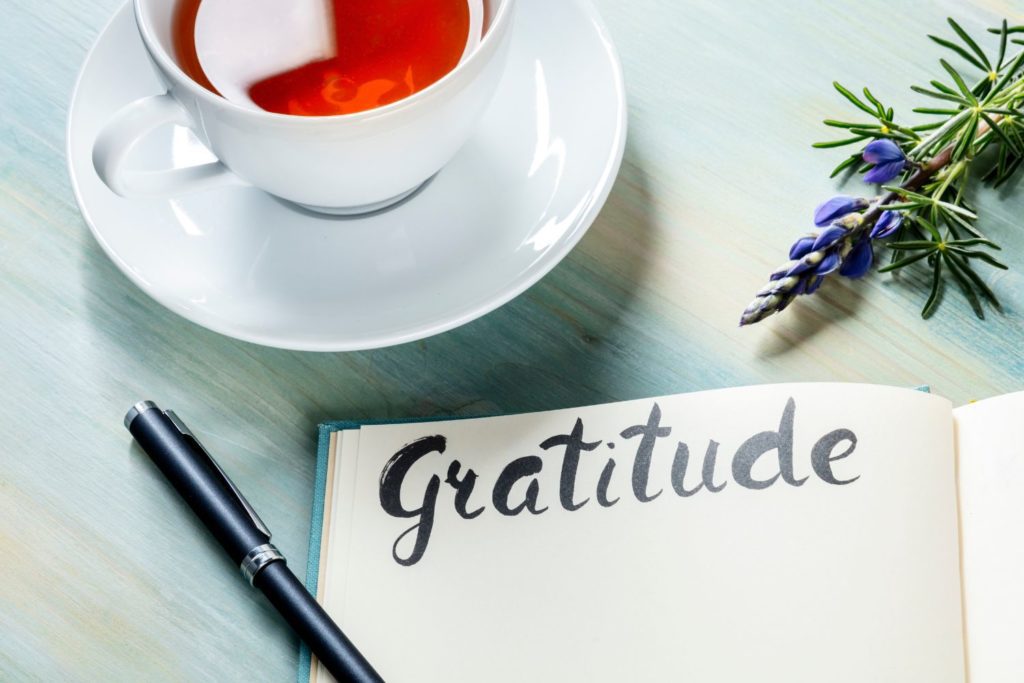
{"x": 385, "y": 50}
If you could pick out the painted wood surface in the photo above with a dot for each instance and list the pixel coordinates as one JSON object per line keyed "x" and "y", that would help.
{"x": 104, "y": 575}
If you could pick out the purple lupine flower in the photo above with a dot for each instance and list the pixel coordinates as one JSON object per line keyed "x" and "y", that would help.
{"x": 888, "y": 158}
{"x": 801, "y": 247}
{"x": 829, "y": 236}
{"x": 819, "y": 258}
{"x": 857, "y": 263}
{"x": 828, "y": 264}
{"x": 811, "y": 259}
{"x": 836, "y": 208}
{"x": 813, "y": 285}
{"x": 888, "y": 223}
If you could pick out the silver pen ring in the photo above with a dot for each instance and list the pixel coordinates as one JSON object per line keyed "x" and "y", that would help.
{"x": 258, "y": 558}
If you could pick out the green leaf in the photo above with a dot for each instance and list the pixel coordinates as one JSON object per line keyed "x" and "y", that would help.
{"x": 958, "y": 209}
{"x": 927, "y": 126}
{"x": 853, "y": 98}
{"x": 873, "y": 100}
{"x": 1009, "y": 73}
{"x": 970, "y": 42}
{"x": 900, "y": 206}
{"x": 903, "y": 263}
{"x": 975, "y": 242}
{"x": 962, "y": 223}
{"x": 877, "y": 134}
{"x": 910, "y": 245}
{"x": 900, "y": 233}
{"x": 986, "y": 291}
{"x": 981, "y": 88}
{"x": 966, "y": 139}
{"x": 959, "y": 50}
{"x": 923, "y": 199}
{"x": 929, "y": 226}
{"x": 838, "y": 143}
{"x": 959, "y": 80}
{"x": 942, "y": 87}
{"x": 958, "y": 200}
{"x": 980, "y": 255}
{"x": 941, "y": 137}
{"x": 994, "y": 127}
{"x": 1012, "y": 29}
{"x": 1003, "y": 33}
{"x": 843, "y": 165}
{"x": 933, "y": 296}
{"x": 952, "y": 227}
{"x": 965, "y": 287}
{"x": 938, "y": 112}
{"x": 940, "y": 95}
{"x": 849, "y": 124}
{"x": 900, "y": 136}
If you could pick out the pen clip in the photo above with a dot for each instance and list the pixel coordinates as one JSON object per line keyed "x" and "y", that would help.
{"x": 186, "y": 432}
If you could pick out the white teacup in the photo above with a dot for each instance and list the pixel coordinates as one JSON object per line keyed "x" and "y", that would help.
{"x": 344, "y": 164}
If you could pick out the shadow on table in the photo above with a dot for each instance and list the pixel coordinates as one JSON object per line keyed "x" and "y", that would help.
{"x": 807, "y": 316}
{"x": 210, "y": 580}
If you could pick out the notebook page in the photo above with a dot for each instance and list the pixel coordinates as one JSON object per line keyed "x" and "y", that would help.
{"x": 990, "y": 437}
{"x": 852, "y": 575}
{"x": 329, "y": 515}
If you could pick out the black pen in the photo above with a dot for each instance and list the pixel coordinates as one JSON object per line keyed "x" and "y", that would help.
{"x": 243, "y": 535}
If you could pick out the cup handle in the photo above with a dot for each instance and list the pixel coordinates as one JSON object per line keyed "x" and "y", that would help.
{"x": 132, "y": 124}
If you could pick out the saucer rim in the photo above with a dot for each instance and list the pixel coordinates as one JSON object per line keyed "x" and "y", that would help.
{"x": 416, "y": 332}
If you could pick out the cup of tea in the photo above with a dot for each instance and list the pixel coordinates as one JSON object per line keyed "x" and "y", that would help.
{"x": 340, "y": 106}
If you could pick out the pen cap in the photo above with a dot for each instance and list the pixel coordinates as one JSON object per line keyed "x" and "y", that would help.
{"x": 197, "y": 478}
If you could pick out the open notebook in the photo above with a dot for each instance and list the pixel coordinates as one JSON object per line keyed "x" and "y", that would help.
{"x": 804, "y": 532}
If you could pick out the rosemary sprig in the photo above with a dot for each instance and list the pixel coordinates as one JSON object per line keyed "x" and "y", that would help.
{"x": 923, "y": 172}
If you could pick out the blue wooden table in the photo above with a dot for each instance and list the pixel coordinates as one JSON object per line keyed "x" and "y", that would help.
{"x": 104, "y": 575}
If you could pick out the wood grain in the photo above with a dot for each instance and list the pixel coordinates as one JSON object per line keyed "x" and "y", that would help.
{"x": 105, "y": 576}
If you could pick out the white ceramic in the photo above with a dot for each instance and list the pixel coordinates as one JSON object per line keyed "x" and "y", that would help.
{"x": 509, "y": 206}
{"x": 337, "y": 164}
{"x": 238, "y": 41}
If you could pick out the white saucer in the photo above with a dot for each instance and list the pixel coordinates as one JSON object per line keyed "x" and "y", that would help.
{"x": 501, "y": 215}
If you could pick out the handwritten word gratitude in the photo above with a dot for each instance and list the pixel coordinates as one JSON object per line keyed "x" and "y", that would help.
{"x": 831, "y": 447}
